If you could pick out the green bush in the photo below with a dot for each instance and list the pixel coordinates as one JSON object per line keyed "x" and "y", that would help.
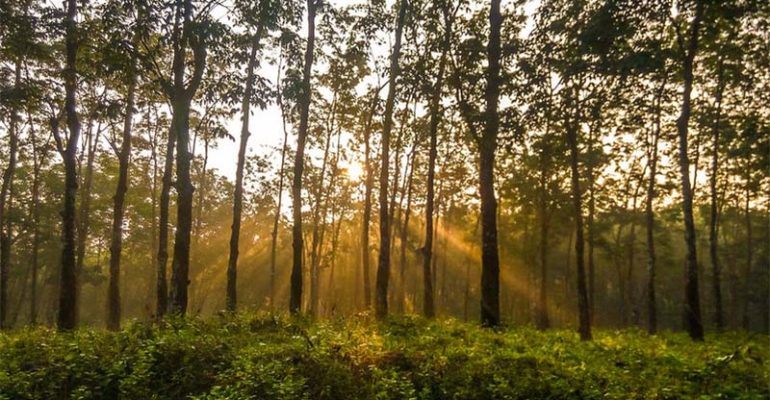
{"x": 269, "y": 357}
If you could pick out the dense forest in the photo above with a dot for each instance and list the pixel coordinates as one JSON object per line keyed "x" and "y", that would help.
{"x": 556, "y": 163}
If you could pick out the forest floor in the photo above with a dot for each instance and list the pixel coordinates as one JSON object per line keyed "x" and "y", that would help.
{"x": 270, "y": 357}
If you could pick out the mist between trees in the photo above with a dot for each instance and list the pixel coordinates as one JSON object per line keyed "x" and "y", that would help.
{"x": 583, "y": 163}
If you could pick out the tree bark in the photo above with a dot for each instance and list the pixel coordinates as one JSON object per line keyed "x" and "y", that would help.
{"x": 318, "y": 211}
{"x": 295, "y": 302}
{"x": 714, "y": 210}
{"x": 490, "y": 262}
{"x": 368, "y": 187}
{"x": 6, "y": 196}
{"x": 38, "y": 155}
{"x": 67, "y": 315}
{"x": 116, "y": 246}
{"x": 182, "y": 95}
{"x": 543, "y": 321}
{"x": 745, "y": 322}
{"x": 405, "y": 231}
{"x": 279, "y": 202}
{"x": 383, "y": 266}
{"x": 435, "y": 121}
{"x": 652, "y": 308}
{"x": 584, "y": 318}
{"x": 692, "y": 311}
{"x": 163, "y": 222}
{"x": 232, "y": 262}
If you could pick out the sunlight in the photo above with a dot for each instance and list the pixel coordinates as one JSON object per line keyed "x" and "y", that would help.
{"x": 354, "y": 171}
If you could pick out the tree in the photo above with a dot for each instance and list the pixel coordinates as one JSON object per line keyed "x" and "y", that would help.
{"x": 490, "y": 268}
{"x": 435, "y": 121}
{"x": 265, "y": 19}
{"x": 383, "y": 265}
{"x": 295, "y": 302}
{"x": 123, "y": 154}
{"x": 67, "y": 317}
{"x": 692, "y": 311}
{"x": 186, "y": 32}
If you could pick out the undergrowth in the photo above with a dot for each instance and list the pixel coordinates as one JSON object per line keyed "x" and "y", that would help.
{"x": 252, "y": 356}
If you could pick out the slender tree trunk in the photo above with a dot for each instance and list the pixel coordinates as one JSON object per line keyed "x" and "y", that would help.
{"x": 37, "y": 162}
{"x": 583, "y": 306}
{"x": 163, "y": 224}
{"x": 490, "y": 262}
{"x": 299, "y": 160}
{"x": 747, "y": 295}
{"x": 383, "y": 266}
{"x": 542, "y": 305}
{"x": 67, "y": 316}
{"x": 405, "y": 231}
{"x": 590, "y": 222}
{"x": 435, "y": 121}
{"x": 317, "y": 241}
{"x": 232, "y": 262}
{"x": 652, "y": 308}
{"x": 83, "y": 221}
{"x": 692, "y": 311}
{"x": 116, "y": 246}
{"x": 368, "y": 187}
{"x": 279, "y": 202}
{"x": 6, "y": 196}
{"x": 714, "y": 210}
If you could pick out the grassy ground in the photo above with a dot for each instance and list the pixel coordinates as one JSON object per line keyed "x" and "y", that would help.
{"x": 267, "y": 357}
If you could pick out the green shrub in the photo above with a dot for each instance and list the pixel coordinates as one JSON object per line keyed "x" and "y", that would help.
{"x": 271, "y": 357}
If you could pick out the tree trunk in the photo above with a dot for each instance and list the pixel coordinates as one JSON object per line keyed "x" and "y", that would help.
{"x": 583, "y": 306}
{"x": 304, "y": 107}
{"x": 714, "y": 210}
{"x": 83, "y": 221}
{"x": 590, "y": 222}
{"x": 38, "y": 156}
{"x": 368, "y": 186}
{"x": 279, "y": 202}
{"x": 652, "y": 308}
{"x": 182, "y": 95}
{"x": 435, "y": 121}
{"x": 317, "y": 241}
{"x": 232, "y": 262}
{"x": 383, "y": 266}
{"x": 67, "y": 316}
{"x": 490, "y": 262}
{"x": 745, "y": 323}
{"x": 163, "y": 222}
{"x": 692, "y": 312}
{"x": 6, "y": 195}
{"x": 405, "y": 231}
{"x": 116, "y": 247}
{"x": 542, "y": 305}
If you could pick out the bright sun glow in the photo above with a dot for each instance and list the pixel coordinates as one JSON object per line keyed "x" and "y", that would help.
{"x": 354, "y": 171}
